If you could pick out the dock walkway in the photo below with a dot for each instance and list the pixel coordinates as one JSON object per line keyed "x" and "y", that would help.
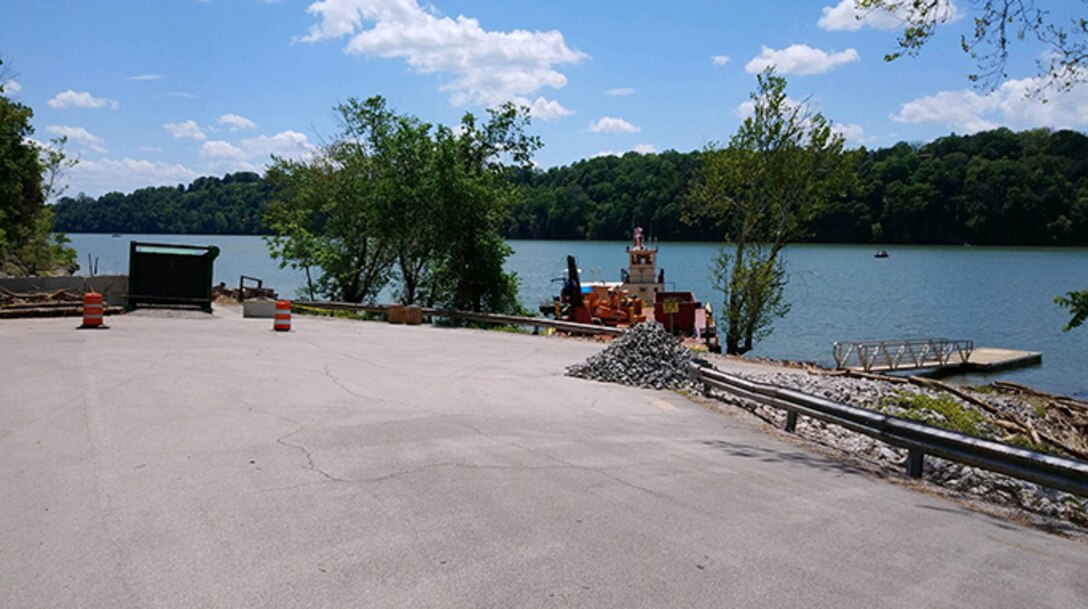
{"x": 928, "y": 354}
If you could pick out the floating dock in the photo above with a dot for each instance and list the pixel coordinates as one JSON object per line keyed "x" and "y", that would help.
{"x": 937, "y": 354}
{"x": 989, "y": 358}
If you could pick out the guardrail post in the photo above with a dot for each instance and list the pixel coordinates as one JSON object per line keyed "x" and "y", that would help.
{"x": 915, "y": 463}
{"x": 791, "y": 421}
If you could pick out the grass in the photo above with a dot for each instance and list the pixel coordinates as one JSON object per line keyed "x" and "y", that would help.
{"x": 1039, "y": 405}
{"x": 303, "y": 310}
{"x": 942, "y": 411}
{"x": 1023, "y": 441}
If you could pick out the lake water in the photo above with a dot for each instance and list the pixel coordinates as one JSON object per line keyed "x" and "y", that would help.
{"x": 999, "y": 297}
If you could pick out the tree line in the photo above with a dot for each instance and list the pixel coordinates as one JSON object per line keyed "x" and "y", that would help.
{"x": 991, "y": 188}
{"x": 233, "y": 204}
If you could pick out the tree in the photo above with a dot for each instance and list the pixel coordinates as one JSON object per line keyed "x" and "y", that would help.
{"x": 326, "y": 219}
{"x": 393, "y": 196}
{"x": 998, "y": 24}
{"x": 782, "y": 163}
{"x": 475, "y": 197}
{"x": 28, "y": 178}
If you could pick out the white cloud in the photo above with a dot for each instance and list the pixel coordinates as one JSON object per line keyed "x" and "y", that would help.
{"x": 489, "y": 67}
{"x": 967, "y": 111}
{"x": 80, "y": 99}
{"x": 145, "y": 77}
{"x": 799, "y": 59}
{"x": 960, "y": 110}
{"x": 236, "y": 122}
{"x": 546, "y": 110}
{"x": 11, "y": 87}
{"x": 182, "y": 94}
{"x": 638, "y": 148}
{"x": 719, "y": 60}
{"x": 852, "y": 134}
{"x": 609, "y": 124}
{"x": 253, "y": 154}
{"x": 846, "y": 16}
{"x": 620, "y": 91}
{"x": 80, "y": 135}
{"x": 105, "y": 175}
{"x": 290, "y": 144}
{"x": 188, "y": 130}
{"x": 218, "y": 149}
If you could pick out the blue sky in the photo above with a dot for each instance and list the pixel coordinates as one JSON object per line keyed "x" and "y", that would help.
{"x": 156, "y": 92}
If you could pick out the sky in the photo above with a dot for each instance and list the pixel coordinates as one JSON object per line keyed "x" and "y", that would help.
{"x": 160, "y": 92}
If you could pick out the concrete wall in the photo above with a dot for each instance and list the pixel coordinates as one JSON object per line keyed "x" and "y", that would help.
{"x": 113, "y": 287}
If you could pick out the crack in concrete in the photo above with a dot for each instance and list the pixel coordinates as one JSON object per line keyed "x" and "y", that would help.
{"x": 418, "y": 470}
{"x": 560, "y": 463}
{"x": 310, "y": 465}
{"x": 363, "y": 361}
{"x": 339, "y": 384}
{"x": 306, "y": 452}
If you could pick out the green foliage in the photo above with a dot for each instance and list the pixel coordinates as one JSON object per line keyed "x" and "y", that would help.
{"x": 604, "y": 198}
{"x": 476, "y": 200}
{"x": 782, "y": 163}
{"x": 28, "y": 174}
{"x": 325, "y": 217}
{"x": 998, "y": 24}
{"x": 1077, "y": 303}
{"x": 393, "y": 197}
{"x": 233, "y": 204}
{"x": 758, "y": 287}
{"x": 941, "y": 411}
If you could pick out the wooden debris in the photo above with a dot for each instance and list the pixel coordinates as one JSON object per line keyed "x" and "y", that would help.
{"x": 1064, "y": 429}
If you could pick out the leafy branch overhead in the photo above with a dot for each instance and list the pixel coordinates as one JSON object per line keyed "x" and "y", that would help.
{"x": 1077, "y": 303}
{"x": 998, "y": 24}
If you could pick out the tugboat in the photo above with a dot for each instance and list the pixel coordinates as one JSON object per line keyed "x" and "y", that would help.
{"x": 641, "y": 289}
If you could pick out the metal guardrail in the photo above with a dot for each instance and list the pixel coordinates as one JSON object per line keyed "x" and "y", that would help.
{"x": 902, "y": 354}
{"x": 490, "y": 318}
{"x": 1065, "y": 474}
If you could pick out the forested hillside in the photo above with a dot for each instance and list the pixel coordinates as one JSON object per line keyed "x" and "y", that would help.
{"x": 233, "y": 204}
{"x": 995, "y": 187}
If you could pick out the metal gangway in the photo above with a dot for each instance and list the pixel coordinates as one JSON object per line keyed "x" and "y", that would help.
{"x": 902, "y": 354}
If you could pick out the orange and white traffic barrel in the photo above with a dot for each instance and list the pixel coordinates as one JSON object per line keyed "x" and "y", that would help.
{"x": 282, "y": 322}
{"x": 94, "y": 311}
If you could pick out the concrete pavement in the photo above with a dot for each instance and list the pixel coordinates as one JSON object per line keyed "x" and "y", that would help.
{"x": 202, "y": 461}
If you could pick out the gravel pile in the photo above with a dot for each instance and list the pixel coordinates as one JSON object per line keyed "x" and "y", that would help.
{"x": 644, "y": 356}
{"x": 965, "y": 479}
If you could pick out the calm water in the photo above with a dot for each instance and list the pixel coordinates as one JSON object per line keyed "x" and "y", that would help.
{"x": 999, "y": 297}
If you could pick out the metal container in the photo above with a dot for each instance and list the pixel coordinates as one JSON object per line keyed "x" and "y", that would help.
{"x": 169, "y": 274}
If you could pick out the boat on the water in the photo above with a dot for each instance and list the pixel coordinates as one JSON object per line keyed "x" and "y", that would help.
{"x": 640, "y": 294}
{"x": 881, "y": 254}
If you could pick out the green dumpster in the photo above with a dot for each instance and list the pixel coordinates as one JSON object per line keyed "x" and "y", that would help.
{"x": 171, "y": 275}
